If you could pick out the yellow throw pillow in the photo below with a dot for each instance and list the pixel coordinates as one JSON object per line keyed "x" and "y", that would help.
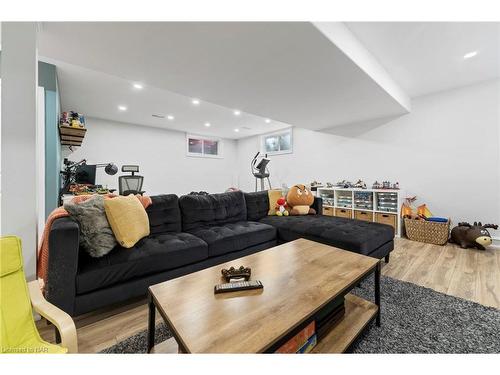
{"x": 273, "y": 195}
{"x": 128, "y": 219}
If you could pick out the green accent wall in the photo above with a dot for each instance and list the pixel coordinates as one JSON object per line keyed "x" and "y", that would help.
{"x": 47, "y": 78}
{"x": 52, "y": 151}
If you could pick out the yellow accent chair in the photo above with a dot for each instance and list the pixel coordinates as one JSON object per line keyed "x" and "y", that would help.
{"x": 17, "y": 325}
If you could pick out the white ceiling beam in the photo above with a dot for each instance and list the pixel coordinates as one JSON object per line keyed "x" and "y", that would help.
{"x": 341, "y": 36}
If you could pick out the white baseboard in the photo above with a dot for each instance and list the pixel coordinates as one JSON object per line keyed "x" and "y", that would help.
{"x": 496, "y": 241}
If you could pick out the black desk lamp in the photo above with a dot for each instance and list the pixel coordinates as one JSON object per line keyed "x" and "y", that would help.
{"x": 109, "y": 168}
{"x": 70, "y": 169}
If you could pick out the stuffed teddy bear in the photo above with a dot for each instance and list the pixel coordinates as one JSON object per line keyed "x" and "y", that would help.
{"x": 299, "y": 199}
{"x": 281, "y": 207}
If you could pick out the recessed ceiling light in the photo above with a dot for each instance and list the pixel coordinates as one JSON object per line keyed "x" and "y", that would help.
{"x": 207, "y": 124}
{"x": 470, "y": 54}
{"x": 237, "y": 112}
{"x": 122, "y": 108}
{"x": 170, "y": 117}
{"x": 236, "y": 130}
{"x": 138, "y": 86}
{"x": 268, "y": 121}
{"x": 195, "y": 101}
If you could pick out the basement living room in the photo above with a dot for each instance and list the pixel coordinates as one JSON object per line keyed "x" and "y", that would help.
{"x": 250, "y": 187}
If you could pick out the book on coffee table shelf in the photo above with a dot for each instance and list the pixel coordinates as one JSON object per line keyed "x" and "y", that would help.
{"x": 326, "y": 319}
{"x": 297, "y": 342}
{"x": 329, "y": 316}
{"x": 309, "y": 345}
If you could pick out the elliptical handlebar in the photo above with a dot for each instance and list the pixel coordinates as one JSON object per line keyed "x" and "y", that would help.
{"x": 254, "y": 161}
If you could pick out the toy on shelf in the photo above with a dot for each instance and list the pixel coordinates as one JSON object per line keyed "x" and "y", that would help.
{"x": 387, "y": 185}
{"x": 360, "y": 184}
{"x": 281, "y": 207}
{"x": 73, "y": 119}
{"x": 329, "y": 185}
{"x": 344, "y": 184}
{"x": 466, "y": 235}
{"x": 315, "y": 185}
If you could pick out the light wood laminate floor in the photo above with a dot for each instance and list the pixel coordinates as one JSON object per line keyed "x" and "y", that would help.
{"x": 466, "y": 273}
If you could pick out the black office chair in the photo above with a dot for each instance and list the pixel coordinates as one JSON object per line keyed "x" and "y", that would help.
{"x": 131, "y": 184}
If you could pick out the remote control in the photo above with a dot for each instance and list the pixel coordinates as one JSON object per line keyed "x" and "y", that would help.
{"x": 237, "y": 286}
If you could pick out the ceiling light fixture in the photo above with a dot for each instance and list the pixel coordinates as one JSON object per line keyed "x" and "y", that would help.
{"x": 237, "y": 112}
{"x": 170, "y": 117}
{"x": 138, "y": 86}
{"x": 122, "y": 108}
{"x": 207, "y": 124}
{"x": 236, "y": 130}
{"x": 195, "y": 101}
{"x": 268, "y": 121}
{"x": 158, "y": 116}
{"x": 470, "y": 54}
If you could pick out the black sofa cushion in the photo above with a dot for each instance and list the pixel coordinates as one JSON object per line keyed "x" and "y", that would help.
{"x": 355, "y": 235}
{"x": 257, "y": 205}
{"x": 223, "y": 239}
{"x": 214, "y": 209}
{"x": 150, "y": 255}
{"x": 164, "y": 214}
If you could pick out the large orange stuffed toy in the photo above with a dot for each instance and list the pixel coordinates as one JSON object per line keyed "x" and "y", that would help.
{"x": 299, "y": 200}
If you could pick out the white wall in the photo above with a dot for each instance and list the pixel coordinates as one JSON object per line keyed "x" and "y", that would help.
{"x": 161, "y": 156}
{"x": 19, "y": 72}
{"x": 446, "y": 151}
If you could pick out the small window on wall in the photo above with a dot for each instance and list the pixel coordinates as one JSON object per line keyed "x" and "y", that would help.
{"x": 278, "y": 143}
{"x": 205, "y": 147}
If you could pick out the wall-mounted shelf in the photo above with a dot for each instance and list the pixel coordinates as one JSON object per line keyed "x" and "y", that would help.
{"x": 71, "y": 136}
{"x": 377, "y": 205}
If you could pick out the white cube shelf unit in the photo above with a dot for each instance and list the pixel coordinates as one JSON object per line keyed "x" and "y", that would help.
{"x": 377, "y": 205}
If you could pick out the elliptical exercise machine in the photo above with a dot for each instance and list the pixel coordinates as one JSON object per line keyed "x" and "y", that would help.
{"x": 260, "y": 171}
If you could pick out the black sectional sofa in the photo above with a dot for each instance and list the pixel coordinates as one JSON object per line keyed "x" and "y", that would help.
{"x": 188, "y": 234}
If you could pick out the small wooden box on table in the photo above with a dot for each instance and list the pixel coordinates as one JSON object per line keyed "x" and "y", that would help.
{"x": 301, "y": 278}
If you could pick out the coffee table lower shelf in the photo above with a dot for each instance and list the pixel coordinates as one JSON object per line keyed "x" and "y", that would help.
{"x": 358, "y": 313}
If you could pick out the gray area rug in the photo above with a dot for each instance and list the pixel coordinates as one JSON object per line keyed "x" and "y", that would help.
{"x": 414, "y": 320}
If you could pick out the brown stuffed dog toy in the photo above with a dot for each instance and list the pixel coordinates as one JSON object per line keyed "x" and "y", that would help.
{"x": 299, "y": 200}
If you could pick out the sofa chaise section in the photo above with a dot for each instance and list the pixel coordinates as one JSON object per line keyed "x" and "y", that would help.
{"x": 367, "y": 238}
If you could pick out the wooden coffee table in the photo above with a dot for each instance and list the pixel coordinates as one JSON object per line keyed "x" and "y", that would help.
{"x": 300, "y": 278}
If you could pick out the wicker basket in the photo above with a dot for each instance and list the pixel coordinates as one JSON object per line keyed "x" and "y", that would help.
{"x": 427, "y": 231}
